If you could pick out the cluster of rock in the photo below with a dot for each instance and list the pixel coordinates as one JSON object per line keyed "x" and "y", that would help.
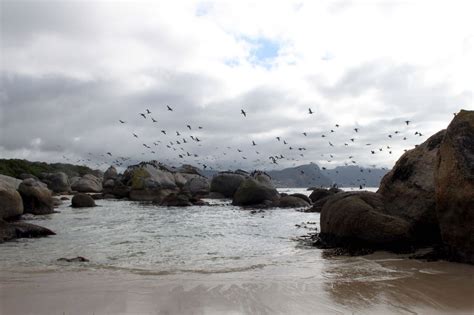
{"x": 253, "y": 190}
{"x": 17, "y": 198}
{"x": 426, "y": 199}
{"x": 156, "y": 182}
{"x": 35, "y": 195}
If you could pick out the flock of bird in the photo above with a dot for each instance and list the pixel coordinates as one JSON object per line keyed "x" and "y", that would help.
{"x": 186, "y": 146}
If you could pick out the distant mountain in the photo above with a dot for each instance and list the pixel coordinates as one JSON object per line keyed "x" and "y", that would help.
{"x": 353, "y": 176}
{"x": 310, "y": 175}
{"x": 16, "y": 167}
{"x": 300, "y": 176}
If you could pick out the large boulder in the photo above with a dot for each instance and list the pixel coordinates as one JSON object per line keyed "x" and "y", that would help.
{"x": 408, "y": 190}
{"x": 254, "y": 192}
{"x": 292, "y": 202}
{"x": 57, "y": 182}
{"x": 11, "y": 204}
{"x": 81, "y": 200}
{"x": 37, "y": 198}
{"x": 88, "y": 183}
{"x": 226, "y": 183}
{"x": 197, "y": 186}
{"x": 147, "y": 180}
{"x": 175, "y": 200}
{"x": 12, "y": 181}
{"x": 359, "y": 220}
{"x": 454, "y": 187}
{"x": 9, "y": 231}
{"x": 110, "y": 173}
{"x": 319, "y": 196}
{"x": 319, "y": 193}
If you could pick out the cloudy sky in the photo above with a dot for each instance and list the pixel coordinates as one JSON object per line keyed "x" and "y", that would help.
{"x": 70, "y": 70}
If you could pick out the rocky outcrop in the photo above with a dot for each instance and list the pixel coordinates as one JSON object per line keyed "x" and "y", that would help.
{"x": 408, "y": 190}
{"x": 292, "y": 202}
{"x": 226, "y": 183}
{"x": 11, "y": 204}
{"x": 110, "y": 173}
{"x": 10, "y": 231}
{"x": 82, "y": 201}
{"x": 148, "y": 180}
{"x": 427, "y": 199}
{"x": 255, "y": 191}
{"x": 319, "y": 196}
{"x": 12, "y": 181}
{"x": 454, "y": 187}
{"x": 57, "y": 182}
{"x": 197, "y": 186}
{"x": 87, "y": 184}
{"x": 37, "y": 198}
{"x": 360, "y": 220}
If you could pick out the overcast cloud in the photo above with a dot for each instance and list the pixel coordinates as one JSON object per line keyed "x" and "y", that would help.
{"x": 70, "y": 70}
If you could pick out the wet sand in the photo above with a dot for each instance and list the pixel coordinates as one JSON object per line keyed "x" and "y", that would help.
{"x": 381, "y": 283}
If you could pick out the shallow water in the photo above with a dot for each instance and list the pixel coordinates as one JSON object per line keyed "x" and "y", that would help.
{"x": 212, "y": 259}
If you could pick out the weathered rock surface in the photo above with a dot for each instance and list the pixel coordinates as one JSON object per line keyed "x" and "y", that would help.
{"x": 226, "y": 183}
{"x": 319, "y": 196}
{"x": 176, "y": 200}
{"x": 197, "y": 186}
{"x": 359, "y": 219}
{"x": 454, "y": 187}
{"x": 110, "y": 173}
{"x": 253, "y": 192}
{"x": 57, "y": 182}
{"x": 11, "y": 204}
{"x": 408, "y": 190}
{"x": 320, "y": 193}
{"x": 10, "y": 231}
{"x": 81, "y": 200}
{"x": 148, "y": 180}
{"x": 302, "y": 196}
{"x": 292, "y": 202}
{"x": 12, "y": 181}
{"x": 88, "y": 183}
{"x": 75, "y": 259}
{"x": 37, "y": 198}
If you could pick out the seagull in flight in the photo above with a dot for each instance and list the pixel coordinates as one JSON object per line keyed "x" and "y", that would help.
{"x": 121, "y": 121}
{"x": 169, "y": 108}
{"x": 310, "y": 111}
{"x": 148, "y": 111}
{"x": 143, "y": 115}
{"x": 243, "y": 113}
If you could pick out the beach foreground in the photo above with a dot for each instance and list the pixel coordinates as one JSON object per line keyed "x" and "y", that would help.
{"x": 375, "y": 284}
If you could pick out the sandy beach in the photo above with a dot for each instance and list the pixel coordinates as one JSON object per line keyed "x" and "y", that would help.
{"x": 378, "y": 284}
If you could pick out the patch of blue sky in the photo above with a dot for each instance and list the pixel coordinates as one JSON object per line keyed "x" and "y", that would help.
{"x": 263, "y": 51}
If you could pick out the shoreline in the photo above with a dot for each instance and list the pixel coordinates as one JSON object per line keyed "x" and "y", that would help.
{"x": 379, "y": 283}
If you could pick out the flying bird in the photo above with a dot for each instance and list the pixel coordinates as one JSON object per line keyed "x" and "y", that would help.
{"x": 169, "y": 108}
{"x": 148, "y": 111}
{"x": 121, "y": 121}
{"x": 243, "y": 113}
{"x": 143, "y": 115}
{"x": 310, "y": 111}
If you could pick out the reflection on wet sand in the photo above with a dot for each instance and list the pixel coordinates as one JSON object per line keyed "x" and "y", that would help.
{"x": 375, "y": 284}
{"x": 385, "y": 282}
